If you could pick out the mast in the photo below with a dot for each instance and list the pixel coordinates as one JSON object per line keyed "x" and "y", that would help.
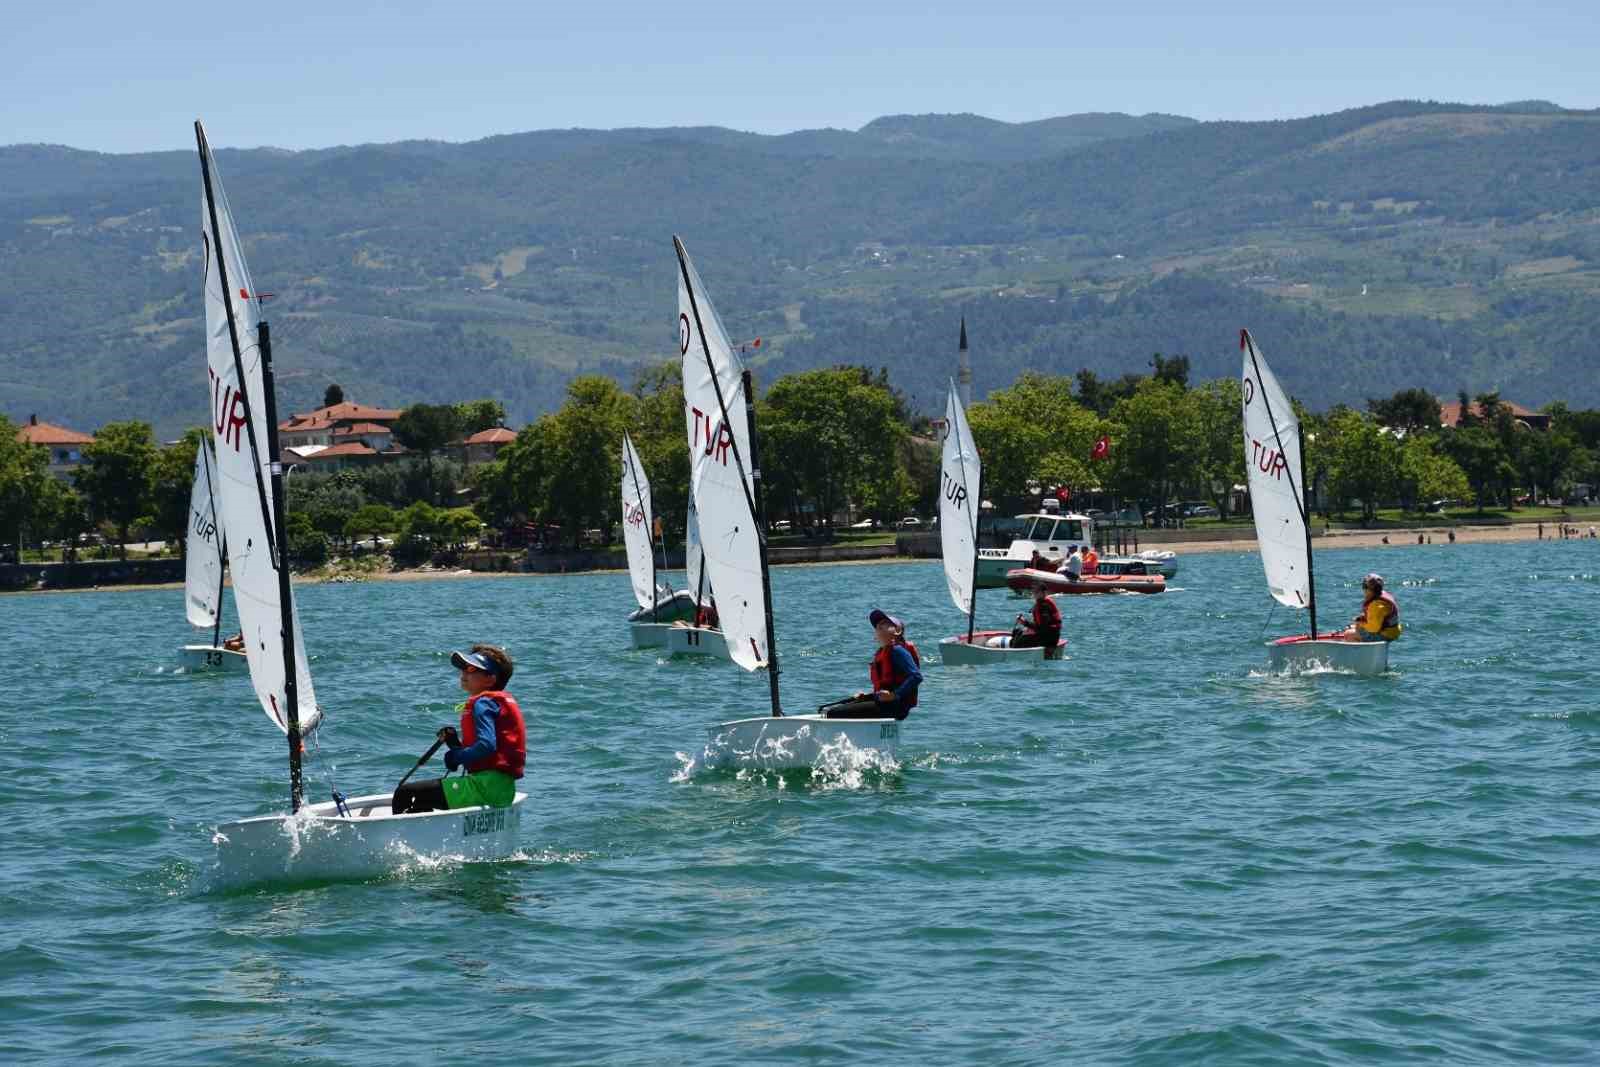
{"x": 977, "y": 518}
{"x": 275, "y": 528}
{"x": 1305, "y": 514}
{"x": 761, "y": 539}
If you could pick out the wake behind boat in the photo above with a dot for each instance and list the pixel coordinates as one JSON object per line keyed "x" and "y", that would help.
{"x": 1274, "y": 454}
{"x": 726, "y": 485}
{"x": 321, "y": 840}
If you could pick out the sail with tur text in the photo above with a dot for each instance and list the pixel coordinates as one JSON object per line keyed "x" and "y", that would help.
{"x": 1272, "y": 461}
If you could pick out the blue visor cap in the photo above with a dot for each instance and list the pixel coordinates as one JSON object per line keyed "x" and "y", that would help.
{"x": 880, "y": 616}
{"x": 462, "y": 660}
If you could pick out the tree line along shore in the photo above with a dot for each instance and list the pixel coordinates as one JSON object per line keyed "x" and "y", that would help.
{"x": 844, "y": 458}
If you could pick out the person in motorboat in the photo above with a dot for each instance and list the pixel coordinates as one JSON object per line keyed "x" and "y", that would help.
{"x": 1072, "y": 567}
{"x": 492, "y": 744}
{"x": 1091, "y": 560}
{"x": 1039, "y": 563}
{"x": 1043, "y": 628}
{"x": 234, "y": 643}
{"x": 1379, "y": 619}
{"x": 896, "y": 673}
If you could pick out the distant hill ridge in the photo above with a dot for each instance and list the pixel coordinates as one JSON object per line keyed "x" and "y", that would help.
{"x": 1443, "y": 245}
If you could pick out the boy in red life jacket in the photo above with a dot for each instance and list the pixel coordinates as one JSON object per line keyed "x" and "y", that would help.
{"x": 1043, "y": 630}
{"x": 895, "y": 670}
{"x": 492, "y": 745}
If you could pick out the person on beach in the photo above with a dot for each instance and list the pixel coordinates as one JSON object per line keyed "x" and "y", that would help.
{"x": 1379, "y": 619}
{"x": 1043, "y": 628}
{"x": 492, "y": 744}
{"x": 896, "y": 672}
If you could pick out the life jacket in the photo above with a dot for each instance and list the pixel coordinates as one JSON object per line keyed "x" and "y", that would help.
{"x": 1046, "y": 616}
{"x": 886, "y": 676}
{"x": 706, "y": 617}
{"x": 1091, "y": 561}
{"x": 1391, "y": 619}
{"x": 510, "y": 735}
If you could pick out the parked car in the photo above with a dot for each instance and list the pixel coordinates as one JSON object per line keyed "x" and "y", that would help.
{"x": 782, "y": 526}
{"x": 864, "y": 524}
{"x": 1199, "y": 511}
{"x": 910, "y": 520}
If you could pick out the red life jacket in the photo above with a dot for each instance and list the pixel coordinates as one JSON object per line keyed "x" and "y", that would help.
{"x": 886, "y": 676}
{"x": 510, "y": 735}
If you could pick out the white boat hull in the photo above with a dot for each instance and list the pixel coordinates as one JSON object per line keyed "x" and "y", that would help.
{"x": 796, "y": 742}
{"x": 958, "y": 652}
{"x": 318, "y": 842}
{"x": 195, "y": 658}
{"x": 697, "y": 641}
{"x": 1295, "y": 654}
{"x": 650, "y": 634}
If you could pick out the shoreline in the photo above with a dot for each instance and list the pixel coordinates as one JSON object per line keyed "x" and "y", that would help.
{"x": 1498, "y": 534}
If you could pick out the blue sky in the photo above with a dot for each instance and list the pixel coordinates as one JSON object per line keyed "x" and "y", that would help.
{"x": 124, "y": 77}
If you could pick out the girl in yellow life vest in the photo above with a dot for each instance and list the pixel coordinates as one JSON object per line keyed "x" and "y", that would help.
{"x": 1380, "y": 614}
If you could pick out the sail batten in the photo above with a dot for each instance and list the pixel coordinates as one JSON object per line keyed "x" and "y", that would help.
{"x": 240, "y": 429}
{"x": 960, "y": 477}
{"x": 1272, "y": 458}
{"x": 637, "y": 520}
{"x": 721, "y": 478}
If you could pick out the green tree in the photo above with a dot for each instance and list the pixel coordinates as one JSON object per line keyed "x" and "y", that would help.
{"x": 583, "y": 463}
{"x": 1408, "y": 411}
{"x": 1426, "y": 473}
{"x": 172, "y": 482}
{"x": 658, "y": 434}
{"x": 475, "y": 415}
{"x": 1219, "y": 418}
{"x": 371, "y": 521}
{"x": 1157, "y": 443}
{"x": 117, "y": 476}
{"x": 308, "y": 546}
{"x": 1481, "y": 456}
{"x": 23, "y": 473}
{"x": 1034, "y": 435}
{"x": 1363, "y": 462}
{"x": 332, "y": 395}
{"x": 61, "y": 516}
{"x": 426, "y": 428}
{"x": 829, "y": 437}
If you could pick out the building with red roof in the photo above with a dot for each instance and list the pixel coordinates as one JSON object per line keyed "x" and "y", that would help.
{"x": 66, "y": 446}
{"x": 481, "y": 447}
{"x": 1450, "y": 414}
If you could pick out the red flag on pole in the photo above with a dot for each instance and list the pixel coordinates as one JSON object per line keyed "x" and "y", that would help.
{"x": 1101, "y": 449}
{"x": 1063, "y": 494}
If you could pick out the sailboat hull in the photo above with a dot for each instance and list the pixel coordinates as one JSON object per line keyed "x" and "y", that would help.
{"x": 650, "y": 634}
{"x": 798, "y": 742}
{"x": 697, "y": 641}
{"x": 1295, "y": 654}
{"x": 195, "y": 658}
{"x": 959, "y": 652}
{"x": 320, "y": 843}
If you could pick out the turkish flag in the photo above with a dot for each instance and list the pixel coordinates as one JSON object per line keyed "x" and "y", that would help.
{"x": 1101, "y": 449}
{"x": 1063, "y": 494}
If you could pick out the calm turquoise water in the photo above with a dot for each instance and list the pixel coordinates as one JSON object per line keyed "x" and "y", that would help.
{"x": 1151, "y": 853}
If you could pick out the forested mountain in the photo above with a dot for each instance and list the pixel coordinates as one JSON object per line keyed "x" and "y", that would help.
{"x": 1404, "y": 244}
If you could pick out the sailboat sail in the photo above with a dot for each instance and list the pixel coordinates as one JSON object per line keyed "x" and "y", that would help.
{"x": 202, "y": 572}
{"x": 1272, "y": 460}
{"x": 636, "y": 525}
{"x": 240, "y": 426}
{"x": 694, "y": 558}
{"x": 958, "y": 504}
{"x": 720, "y": 478}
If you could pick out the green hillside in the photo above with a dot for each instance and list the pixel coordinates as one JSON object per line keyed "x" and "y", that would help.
{"x": 1403, "y": 244}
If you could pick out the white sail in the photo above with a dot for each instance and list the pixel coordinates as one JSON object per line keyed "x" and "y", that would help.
{"x": 239, "y": 424}
{"x": 961, "y": 477}
{"x": 636, "y": 520}
{"x": 694, "y": 557}
{"x": 1272, "y": 460}
{"x": 720, "y": 473}
{"x": 202, "y": 550}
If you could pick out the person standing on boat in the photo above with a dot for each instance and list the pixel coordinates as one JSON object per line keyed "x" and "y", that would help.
{"x": 895, "y": 671}
{"x": 492, "y": 744}
{"x": 1380, "y": 614}
{"x": 1043, "y": 629}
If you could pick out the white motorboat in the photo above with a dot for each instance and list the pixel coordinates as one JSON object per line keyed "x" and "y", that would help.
{"x": 1274, "y": 457}
{"x": 961, "y": 487}
{"x": 725, "y": 483}
{"x": 320, "y": 839}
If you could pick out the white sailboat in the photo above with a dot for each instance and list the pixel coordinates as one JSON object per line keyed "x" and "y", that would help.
{"x": 694, "y": 639}
{"x": 726, "y": 483}
{"x": 203, "y": 575}
{"x": 1274, "y": 458}
{"x": 960, "y": 492}
{"x": 341, "y": 838}
{"x": 658, "y": 609}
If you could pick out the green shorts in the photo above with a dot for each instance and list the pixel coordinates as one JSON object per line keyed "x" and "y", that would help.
{"x": 486, "y": 789}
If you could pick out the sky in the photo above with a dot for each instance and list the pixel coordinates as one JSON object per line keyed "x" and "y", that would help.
{"x": 132, "y": 76}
